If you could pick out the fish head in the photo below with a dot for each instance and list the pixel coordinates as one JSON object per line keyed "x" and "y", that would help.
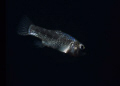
{"x": 76, "y": 48}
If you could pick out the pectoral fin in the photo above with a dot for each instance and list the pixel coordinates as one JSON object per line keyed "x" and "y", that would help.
{"x": 39, "y": 44}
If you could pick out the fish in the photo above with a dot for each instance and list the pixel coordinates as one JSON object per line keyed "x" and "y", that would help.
{"x": 55, "y": 39}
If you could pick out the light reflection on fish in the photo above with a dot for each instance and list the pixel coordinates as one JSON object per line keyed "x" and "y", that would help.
{"x": 51, "y": 38}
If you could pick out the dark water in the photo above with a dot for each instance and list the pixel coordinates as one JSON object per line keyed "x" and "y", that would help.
{"x": 88, "y": 21}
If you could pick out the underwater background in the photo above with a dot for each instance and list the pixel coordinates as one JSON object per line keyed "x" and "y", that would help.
{"x": 92, "y": 22}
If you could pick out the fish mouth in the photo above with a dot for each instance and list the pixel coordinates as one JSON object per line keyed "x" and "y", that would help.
{"x": 82, "y": 52}
{"x": 78, "y": 53}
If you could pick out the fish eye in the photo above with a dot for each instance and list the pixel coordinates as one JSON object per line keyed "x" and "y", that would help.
{"x": 82, "y": 46}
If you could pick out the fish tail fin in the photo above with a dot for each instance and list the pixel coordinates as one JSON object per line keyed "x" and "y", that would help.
{"x": 24, "y": 25}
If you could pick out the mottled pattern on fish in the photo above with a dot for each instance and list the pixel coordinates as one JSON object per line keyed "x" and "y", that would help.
{"x": 51, "y": 38}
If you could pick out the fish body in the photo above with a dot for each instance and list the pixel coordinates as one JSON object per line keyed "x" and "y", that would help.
{"x": 55, "y": 39}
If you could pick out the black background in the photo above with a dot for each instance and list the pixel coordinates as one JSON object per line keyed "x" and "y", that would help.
{"x": 92, "y": 22}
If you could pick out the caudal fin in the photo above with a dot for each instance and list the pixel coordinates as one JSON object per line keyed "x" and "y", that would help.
{"x": 24, "y": 25}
